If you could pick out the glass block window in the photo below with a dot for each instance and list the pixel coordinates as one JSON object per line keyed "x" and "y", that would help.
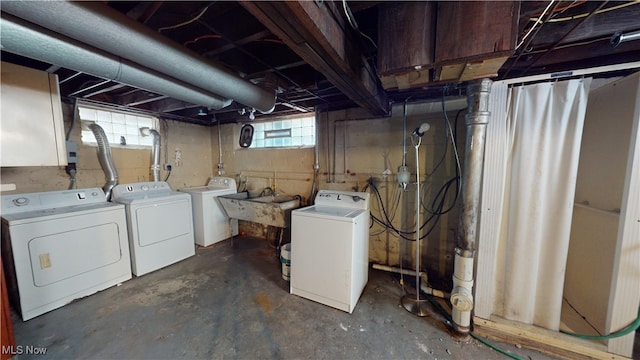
{"x": 121, "y": 128}
{"x": 288, "y": 133}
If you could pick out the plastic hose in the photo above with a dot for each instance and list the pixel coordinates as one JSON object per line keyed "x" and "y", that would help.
{"x": 513, "y": 356}
{"x": 622, "y": 332}
{"x": 485, "y": 342}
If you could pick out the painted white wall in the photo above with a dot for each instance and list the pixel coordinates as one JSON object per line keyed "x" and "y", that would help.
{"x": 599, "y": 189}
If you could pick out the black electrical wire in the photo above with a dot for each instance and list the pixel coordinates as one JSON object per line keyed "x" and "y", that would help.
{"x": 438, "y": 205}
{"x": 389, "y": 225}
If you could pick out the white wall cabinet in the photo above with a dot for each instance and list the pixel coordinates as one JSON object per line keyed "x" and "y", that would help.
{"x": 31, "y": 126}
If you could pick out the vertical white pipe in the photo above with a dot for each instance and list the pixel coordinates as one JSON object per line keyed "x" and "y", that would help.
{"x": 155, "y": 155}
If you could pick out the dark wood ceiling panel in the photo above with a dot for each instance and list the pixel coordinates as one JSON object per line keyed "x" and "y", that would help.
{"x": 316, "y": 32}
{"x": 601, "y": 24}
{"x": 310, "y": 54}
{"x": 407, "y": 35}
{"x": 468, "y": 29}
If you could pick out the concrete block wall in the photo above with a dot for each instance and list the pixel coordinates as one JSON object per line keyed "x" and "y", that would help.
{"x": 132, "y": 165}
{"x": 352, "y": 149}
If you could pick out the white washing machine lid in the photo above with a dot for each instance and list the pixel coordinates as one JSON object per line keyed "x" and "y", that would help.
{"x": 330, "y": 212}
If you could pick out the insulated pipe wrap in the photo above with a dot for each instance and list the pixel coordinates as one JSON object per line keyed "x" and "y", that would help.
{"x": 101, "y": 26}
{"x": 105, "y": 159}
{"x": 23, "y": 38}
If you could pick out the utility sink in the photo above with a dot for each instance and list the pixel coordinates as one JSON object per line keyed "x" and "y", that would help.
{"x": 267, "y": 210}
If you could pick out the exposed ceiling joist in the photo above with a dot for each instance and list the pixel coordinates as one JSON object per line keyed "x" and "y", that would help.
{"x": 312, "y": 31}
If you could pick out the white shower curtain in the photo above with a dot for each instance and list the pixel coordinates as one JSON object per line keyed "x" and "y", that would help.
{"x": 544, "y": 129}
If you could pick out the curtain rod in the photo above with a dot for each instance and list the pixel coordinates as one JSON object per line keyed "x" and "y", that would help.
{"x": 570, "y": 73}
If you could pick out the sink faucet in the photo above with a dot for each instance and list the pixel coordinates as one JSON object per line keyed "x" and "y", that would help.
{"x": 268, "y": 191}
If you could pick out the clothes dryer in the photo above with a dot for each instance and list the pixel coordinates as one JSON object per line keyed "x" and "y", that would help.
{"x": 159, "y": 222}
{"x": 211, "y": 224}
{"x": 58, "y": 246}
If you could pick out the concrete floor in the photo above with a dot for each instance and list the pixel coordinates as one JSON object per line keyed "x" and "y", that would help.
{"x": 230, "y": 301}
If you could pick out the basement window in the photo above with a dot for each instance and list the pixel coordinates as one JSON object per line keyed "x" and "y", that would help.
{"x": 292, "y": 132}
{"x": 121, "y": 128}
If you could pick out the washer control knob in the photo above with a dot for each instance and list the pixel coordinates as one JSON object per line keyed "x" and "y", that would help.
{"x": 21, "y": 201}
{"x": 144, "y": 187}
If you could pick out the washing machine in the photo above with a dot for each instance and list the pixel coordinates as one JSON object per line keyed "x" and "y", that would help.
{"x": 160, "y": 224}
{"x": 211, "y": 224}
{"x": 58, "y": 246}
{"x": 330, "y": 249}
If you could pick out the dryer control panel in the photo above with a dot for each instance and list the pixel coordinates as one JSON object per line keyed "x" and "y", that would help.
{"x": 346, "y": 199}
{"x": 16, "y": 203}
{"x": 141, "y": 189}
{"x": 221, "y": 182}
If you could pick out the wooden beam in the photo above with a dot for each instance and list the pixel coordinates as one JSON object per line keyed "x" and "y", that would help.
{"x": 600, "y": 25}
{"x": 592, "y": 54}
{"x": 318, "y": 33}
{"x": 471, "y": 30}
{"x": 232, "y": 45}
{"x": 406, "y": 36}
{"x": 546, "y": 341}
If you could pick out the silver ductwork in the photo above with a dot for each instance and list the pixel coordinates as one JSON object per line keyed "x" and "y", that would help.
{"x": 100, "y": 26}
{"x": 476, "y": 122}
{"x": 155, "y": 155}
{"x": 23, "y": 38}
{"x": 105, "y": 159}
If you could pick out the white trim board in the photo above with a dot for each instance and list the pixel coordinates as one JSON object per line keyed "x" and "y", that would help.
{"x": 570, "y": 73}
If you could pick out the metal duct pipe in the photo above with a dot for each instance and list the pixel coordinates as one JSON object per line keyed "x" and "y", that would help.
{"x": 155, "y": 155}
{"x": 100, "y": 26}
{"x": 316, "y": 160}
{"x": 220, "y": 163}
{"x": 23, "y": 38}
{"x": 619, "y": 37}
{"x": 476, "y": 123}
{"x": 106, "y": 160}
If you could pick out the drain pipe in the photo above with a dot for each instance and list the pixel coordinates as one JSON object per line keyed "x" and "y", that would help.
{"x": 98, "y": 25}
{"x": 476, "y": 124}
{"x": 220, "y": 163}
{"x": 155, "y": 155}
{"x": 29, "y": 40}
{"x": 105, "y": 158}
{"x": 316, "y": 163}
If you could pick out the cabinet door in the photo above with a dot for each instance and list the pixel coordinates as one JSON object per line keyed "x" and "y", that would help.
{"x": 31, "y": 129}
{"x": 6, "y": 329}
